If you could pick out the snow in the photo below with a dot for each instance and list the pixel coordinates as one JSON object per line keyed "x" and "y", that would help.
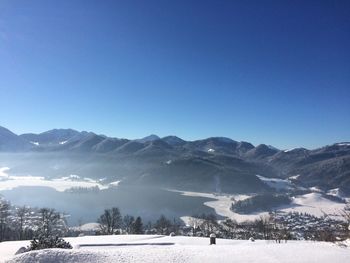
{"x": 315, "y": 189}
{"x": 35, "y": 143}
{"x": 221, "y": 204}
{"x": 3, "y": 173}
{"x": 315, "y": 204}
{"x": 294, "y": 177}
{"x": 344, "y": 144}
{"x": 63, "y": 142}
{"x": 74, "y": 176}
{"x": 9, "y": 182}
{"x": 89, "y": 180}
{"x": 277, "y": 183}
{"x": 211, "y": 150}
{"x": 312, "y": 203}
{"x": 147, "y": 248}
{"x": 168, "y": 162}
{"x": 289, "y": 150}
{"x": 87, "y": 227}
{"x": 113, "y": 184}
{"x": 335, "y": 192}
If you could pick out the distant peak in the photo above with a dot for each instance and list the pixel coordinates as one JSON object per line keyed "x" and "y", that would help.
{"x": 273, "y": 147}
{"x": 3, "y": 129}
{"x": 298, "y": 149}
{"x": 60, "y": 131}
{"x": 222, "y": 139}
{"x": 148, "y": 138}
{"x": 173, "y": 140}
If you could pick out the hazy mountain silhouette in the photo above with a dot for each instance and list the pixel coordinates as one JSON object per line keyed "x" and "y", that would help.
{"x": 215, "y": 164}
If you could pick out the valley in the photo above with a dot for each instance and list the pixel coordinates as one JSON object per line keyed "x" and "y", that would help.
{"x": 81, "y": 173}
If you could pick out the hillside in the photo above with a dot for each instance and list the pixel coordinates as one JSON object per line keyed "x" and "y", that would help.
{"x": 214, "y": 164}
{"x": 143, "y": 248}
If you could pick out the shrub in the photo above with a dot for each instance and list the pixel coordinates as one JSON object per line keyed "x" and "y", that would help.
{"x": 48, "y": 242}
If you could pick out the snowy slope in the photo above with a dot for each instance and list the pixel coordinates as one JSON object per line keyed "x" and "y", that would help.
{"x": 9, "y": 182}
{"x": 276, "y": 183}
{"x": 315, "y": 204}
{"x": 143, "y": 248}
{"x": 312, "y": 203}
{"x": 221, "y": 205}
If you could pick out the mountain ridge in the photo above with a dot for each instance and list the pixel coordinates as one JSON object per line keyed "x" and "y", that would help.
{"x": 231, "y": 162}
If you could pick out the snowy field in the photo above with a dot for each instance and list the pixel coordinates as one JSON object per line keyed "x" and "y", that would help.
{"x": 8, "y": 182}
{"x": 145, "y": 248}
{"x": 312, "y": 203}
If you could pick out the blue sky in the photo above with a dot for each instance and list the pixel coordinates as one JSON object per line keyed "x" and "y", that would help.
{"x": 275, "y": 72}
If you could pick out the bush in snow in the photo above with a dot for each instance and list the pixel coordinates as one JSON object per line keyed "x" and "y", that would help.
{"x": 48, "y": 242}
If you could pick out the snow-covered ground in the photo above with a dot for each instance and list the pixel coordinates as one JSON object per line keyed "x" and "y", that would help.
{"x": 221, "y": 205}
{"x": 87, "y": 227}
{"x": 276, "y": 183}
{"x": 60, "y": 184}
{"x": 145, "y": 248}
{"x": 336, "y": 192}
{"x": 8, "y": 182}
{"x": 315, "y": 204}
{"x": 312, "y": 203}
{"x": 3, "y": 172}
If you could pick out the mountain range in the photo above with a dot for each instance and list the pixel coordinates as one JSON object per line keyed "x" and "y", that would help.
{"x": 214, "y": 164}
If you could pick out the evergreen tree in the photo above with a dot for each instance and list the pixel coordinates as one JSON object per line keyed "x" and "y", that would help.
{"x": 138, "y": 226}
{"x": 128, "y": 222}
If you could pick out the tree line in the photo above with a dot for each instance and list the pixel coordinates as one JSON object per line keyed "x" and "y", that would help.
{"x": 18, "y": 223}
{"x": 112, "y": 222}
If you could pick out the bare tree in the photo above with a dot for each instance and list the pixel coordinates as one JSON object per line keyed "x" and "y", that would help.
{"x": 208, "y": 224}
{"x": 346, "y": 215}
{"x": 163, "y": 225}
{"x": 50, "y": 222}
{"x": 110, "y": 221}
{"x": 4, "y": 215}
{"x": 194, "y": 222}
{"x": 264, "y": 226}
{"x": 229, "y": 227}
{"x": 22, "y": 215}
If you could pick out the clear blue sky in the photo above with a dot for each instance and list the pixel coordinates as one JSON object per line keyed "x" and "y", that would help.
{"x": 275, "y": 72}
